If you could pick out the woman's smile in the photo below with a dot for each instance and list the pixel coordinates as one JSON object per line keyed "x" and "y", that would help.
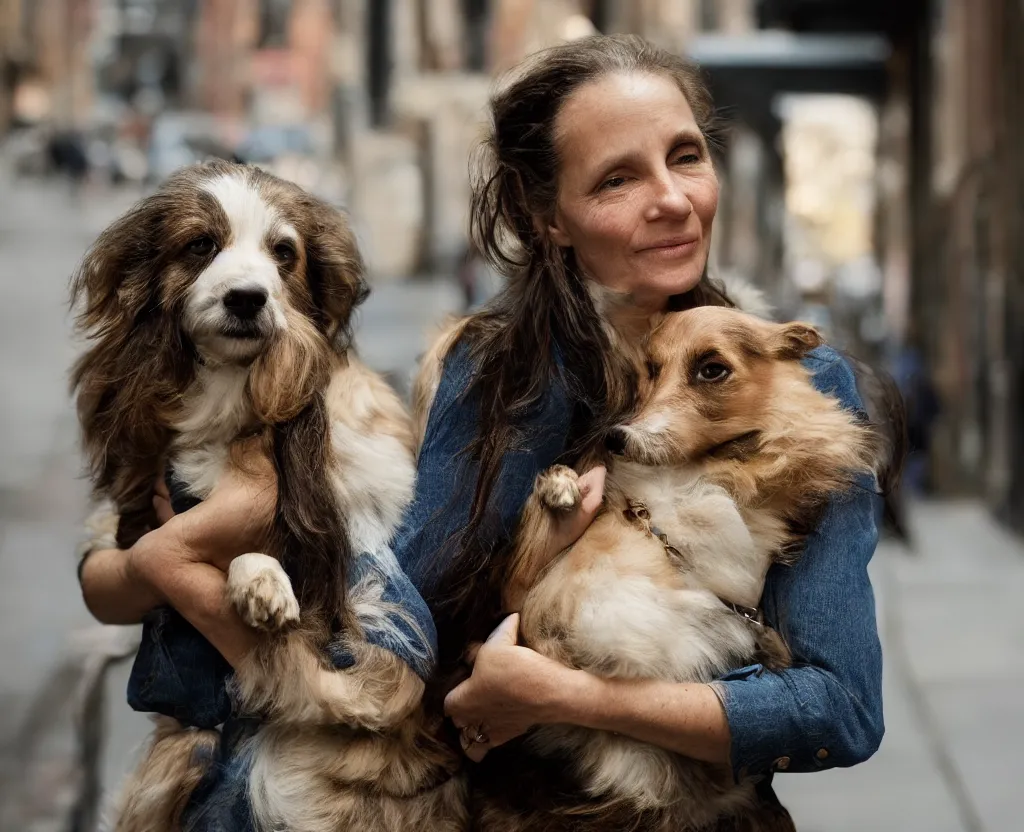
{"x": 677, "y": 247}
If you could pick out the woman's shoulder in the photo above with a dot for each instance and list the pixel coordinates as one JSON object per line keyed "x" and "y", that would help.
{"x": 833, "y": 374}
{"x": 453, "y": 399}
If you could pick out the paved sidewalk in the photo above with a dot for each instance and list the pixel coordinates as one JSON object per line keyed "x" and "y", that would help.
{"x": 953, "y": 633}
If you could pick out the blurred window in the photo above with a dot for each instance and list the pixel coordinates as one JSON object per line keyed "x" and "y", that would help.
{"x": 274, "y": 22}
{"x": 708, "y": 15}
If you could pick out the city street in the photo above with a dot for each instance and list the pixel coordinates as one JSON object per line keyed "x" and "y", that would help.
{"x": 950, "y": 614}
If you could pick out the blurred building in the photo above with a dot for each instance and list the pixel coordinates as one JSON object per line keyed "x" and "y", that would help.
{"x": 966, "y": 304}
{"x": 894, "y": 213}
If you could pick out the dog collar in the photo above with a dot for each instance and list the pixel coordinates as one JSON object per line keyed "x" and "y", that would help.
{"x": 637, "y": 512}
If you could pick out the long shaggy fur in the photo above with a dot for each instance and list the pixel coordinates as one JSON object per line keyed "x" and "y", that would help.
{"x": 217, "y": 313}
{"x": 174, "y": 763}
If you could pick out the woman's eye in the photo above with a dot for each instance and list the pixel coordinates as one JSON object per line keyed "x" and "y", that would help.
{"x": 285, "y": 252}
{"x": 201, "y": 246}
{"x": 713, "y": 371}
{"x": 613, "y": 182}
{"x": 688, "y": 159}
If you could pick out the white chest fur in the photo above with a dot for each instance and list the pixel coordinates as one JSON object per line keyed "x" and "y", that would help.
{"x": 216, "y": 411}
{"x": 704, "y": 523}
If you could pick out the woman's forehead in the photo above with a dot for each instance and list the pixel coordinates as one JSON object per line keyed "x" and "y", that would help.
{"x": 618, "y": 112}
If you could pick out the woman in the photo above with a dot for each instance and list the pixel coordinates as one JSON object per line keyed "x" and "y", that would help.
{"x": 600, "y": 192}
{"x": 599, "y": 186}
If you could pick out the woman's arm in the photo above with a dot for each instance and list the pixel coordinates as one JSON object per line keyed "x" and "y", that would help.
{"x": 183, "y": 563}
{"x": 514, "y": 688}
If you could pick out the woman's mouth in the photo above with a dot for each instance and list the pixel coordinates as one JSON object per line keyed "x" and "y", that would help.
{"x": 677, "y": 247}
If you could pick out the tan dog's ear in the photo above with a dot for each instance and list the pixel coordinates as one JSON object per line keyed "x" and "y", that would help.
{"x": 336, "y": 271}
{"x": 794, "y": 341}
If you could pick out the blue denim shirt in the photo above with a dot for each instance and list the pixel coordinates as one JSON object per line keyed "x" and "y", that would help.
{"x": 826, "y": 710}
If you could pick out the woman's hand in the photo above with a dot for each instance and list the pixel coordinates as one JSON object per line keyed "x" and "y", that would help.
{"x": 566, "y": 529}
{"x": 512, "y": 689}
{"x": 162, "y": 502}
{"x": 236, "y": 518}
{"x": 569, "y": 528}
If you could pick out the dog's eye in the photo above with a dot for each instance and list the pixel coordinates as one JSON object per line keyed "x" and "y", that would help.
{"x": 653, "y": 370}
{"x": 284, "y": 251}
{"x": 713, "y": 371}
{"x": 201, "y": 246}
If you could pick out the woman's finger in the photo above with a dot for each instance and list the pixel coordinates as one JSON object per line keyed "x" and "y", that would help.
{"x": 163, "y": 509}
{"x": 507, "y": 632}
{"x": 592, "y": 490}
{"x": 476, "y": 751}
{"x": 472, "y": 650}
{"x": 569, "y": 529}
{"x": 161, "y": 487}
{"x": 453, "y": 703}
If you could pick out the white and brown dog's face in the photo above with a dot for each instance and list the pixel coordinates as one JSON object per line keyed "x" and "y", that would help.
{"x": 224, "y": 264}
{"x": 711, "y": 377}
{"x": 244, "y": 251}
{"x": 236, "y": 257}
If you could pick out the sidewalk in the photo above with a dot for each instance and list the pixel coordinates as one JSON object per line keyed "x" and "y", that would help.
{"x": 953, "y": 633}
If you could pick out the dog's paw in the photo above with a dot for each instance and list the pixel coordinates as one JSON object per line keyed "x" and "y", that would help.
{"x": 261, "y": 592}
{"x": 558, "y": 488}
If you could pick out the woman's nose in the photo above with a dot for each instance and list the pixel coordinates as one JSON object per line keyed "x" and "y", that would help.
{"x": 669, "y": 198}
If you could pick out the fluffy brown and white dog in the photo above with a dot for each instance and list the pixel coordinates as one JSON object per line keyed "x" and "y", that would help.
{"x": 217, "y": 313}
{"x": 719, "y": 473}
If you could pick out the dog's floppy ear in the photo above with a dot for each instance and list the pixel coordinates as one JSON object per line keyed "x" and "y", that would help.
{"x": 794, "y": 341}
{"x": 136, "y": 362}
{"x": 335, "y": 268}
{"x": 102, "y": 288}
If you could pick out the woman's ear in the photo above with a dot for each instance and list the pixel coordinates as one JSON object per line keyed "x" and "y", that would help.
{"x": 555, "y": 230}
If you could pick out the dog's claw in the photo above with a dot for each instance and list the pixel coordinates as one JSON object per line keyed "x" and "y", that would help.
{"x": 558, "y": 488}
{"x": 261, "y": 592}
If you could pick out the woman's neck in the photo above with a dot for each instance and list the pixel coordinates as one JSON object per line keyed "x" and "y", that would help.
{"x": 627, "y": 322}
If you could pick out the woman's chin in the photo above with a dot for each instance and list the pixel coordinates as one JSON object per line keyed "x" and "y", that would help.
{"x": 671, "y": 284}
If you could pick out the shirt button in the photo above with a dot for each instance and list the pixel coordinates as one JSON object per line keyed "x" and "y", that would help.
{"x": 822, "y": 754}
{"x": 781, "y": 764}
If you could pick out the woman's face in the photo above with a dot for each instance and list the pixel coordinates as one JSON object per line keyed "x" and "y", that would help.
{"x": 637, "y": 192}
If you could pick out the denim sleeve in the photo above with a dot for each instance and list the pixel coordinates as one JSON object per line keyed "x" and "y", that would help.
{"x": 176, "y": 671}
{"x": 446, "y": 477}
{"x": 826, "y": 710}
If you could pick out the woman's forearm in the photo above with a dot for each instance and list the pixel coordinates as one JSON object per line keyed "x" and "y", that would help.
{"x": 112, "y": 592}
{"x": 120, "y": 587}
{"x": 198, "y": 591}
{"x": 686, "y": 718}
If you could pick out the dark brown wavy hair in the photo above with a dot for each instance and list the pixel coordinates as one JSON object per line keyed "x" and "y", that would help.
{"x": 544, "y": 302}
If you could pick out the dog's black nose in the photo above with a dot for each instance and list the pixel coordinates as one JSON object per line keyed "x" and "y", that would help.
{"x": 245, "y": 303}
{"x": 615, "y": 441}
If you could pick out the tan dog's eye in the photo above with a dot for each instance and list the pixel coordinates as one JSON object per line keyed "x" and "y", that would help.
{"x": 653, "y": 370}
{"x": 713, "y": 371}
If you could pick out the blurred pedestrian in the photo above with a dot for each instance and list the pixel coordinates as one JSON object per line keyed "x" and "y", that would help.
{"x": 912, "y": 376}
{"x": 68, "y": 157}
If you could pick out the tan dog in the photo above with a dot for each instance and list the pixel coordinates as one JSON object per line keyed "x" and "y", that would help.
{"x": 721, "y": 472}
{"x": 217, "y": 313}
